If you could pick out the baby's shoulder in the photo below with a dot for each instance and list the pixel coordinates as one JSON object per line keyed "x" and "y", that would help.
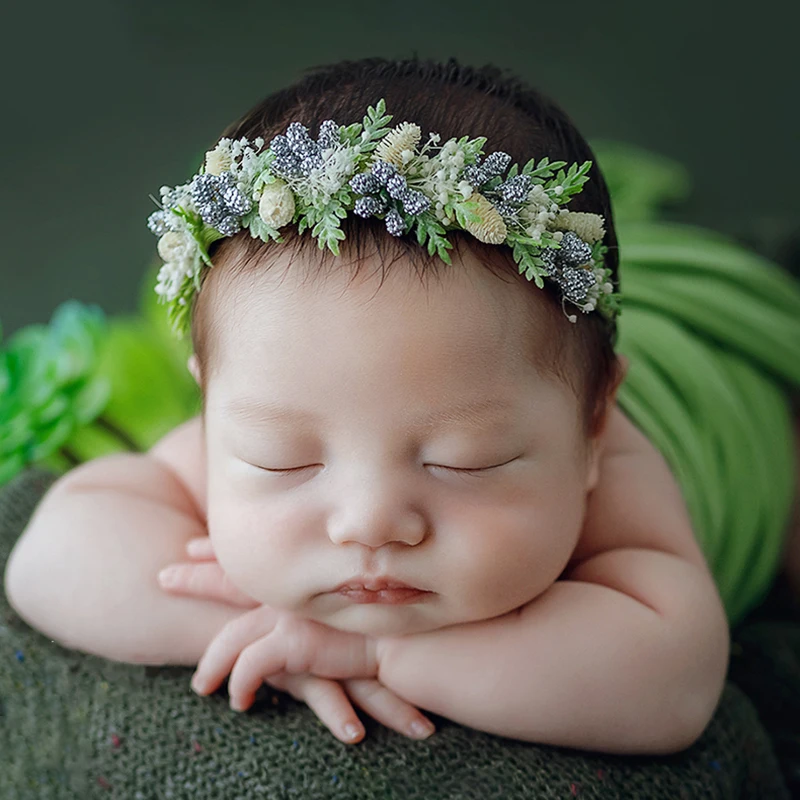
{"x": 183, "y": 451}
{"x": 622, "y": 437}
{"x": 637, "y": 502}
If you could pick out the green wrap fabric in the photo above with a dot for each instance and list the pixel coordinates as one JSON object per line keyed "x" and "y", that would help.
{"x": 712, "y": 332}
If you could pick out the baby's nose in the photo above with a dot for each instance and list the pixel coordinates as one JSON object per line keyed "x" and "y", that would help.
{"x": 376, "y": 523}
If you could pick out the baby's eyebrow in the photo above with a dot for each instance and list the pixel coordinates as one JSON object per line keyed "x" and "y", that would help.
{"x": 475, "y": 412}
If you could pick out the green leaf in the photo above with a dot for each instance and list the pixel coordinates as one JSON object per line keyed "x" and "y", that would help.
{"x": 56, "y": 407}
{"x": 49, "y": 439}
{"x": 465, "y": 212}
{"x": 91, "y": 400}
{"x": 641, "y": 183}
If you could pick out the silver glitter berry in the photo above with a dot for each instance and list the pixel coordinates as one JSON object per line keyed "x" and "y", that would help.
{"x": 365, "y": 183}
{"x": 157, "y": 224}
{"x": 383, "y": 171}
{"x": 369, "y": 206}
{"x": 576, "y": 283}
{"x": 394, "y": 223}
{"x": 415, "y": 202}
{"x": 328, "y": 134}
{"x": 297, "y": 154}
{"x": 516, "y": 189}
{"x": 574, "y": 251}
{"x": 396, "y": 186}
{"x": 550, "y": 258}
{"x": 506, "y": 210}
{"x": 564, "y": 266}
{"x": 219, "y": 201}
{"x": 370, "y": 184}
{"x": 495, "y": 164}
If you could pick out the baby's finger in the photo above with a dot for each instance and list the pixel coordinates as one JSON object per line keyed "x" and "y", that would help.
{"x": 207, "y": 581}
{"x": 256, "y": 662}
{"x": 200, "y": 548}
{"x": 220, "y": 656}
{"x": 387, "y": 708}
{"x": 327, "y": 699}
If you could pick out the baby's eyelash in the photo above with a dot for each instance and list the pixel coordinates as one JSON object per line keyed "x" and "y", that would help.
{"x": 287, "y": 470}
{"x": 474, "y": 470}
{"x": 461, "y": 470}
{"x": 466, "y": 470}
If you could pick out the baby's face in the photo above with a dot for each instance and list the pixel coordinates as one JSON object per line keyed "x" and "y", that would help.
{"x": 361, "y": 391}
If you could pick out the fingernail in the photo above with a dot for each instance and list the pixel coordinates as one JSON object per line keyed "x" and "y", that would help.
{"x": 421, "y": 730}
{"x": 194, "y": 547}
{"x": 168, "y": 575}
{"x": 198, "y": 685}
{"x": 352, "y": 731}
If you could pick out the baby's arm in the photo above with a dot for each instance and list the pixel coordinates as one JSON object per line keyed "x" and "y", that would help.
{"x": 627, "y": 653}
{"x": 84, "y": 570}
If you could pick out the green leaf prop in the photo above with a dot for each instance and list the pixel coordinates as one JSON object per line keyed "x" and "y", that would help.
{"x": 50, "y": 386}
{"x": 152, "y": 391}
{"x": 641, "y": 183}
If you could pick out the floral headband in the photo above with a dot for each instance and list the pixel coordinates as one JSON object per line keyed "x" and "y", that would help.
{"x": 378, "y": 171}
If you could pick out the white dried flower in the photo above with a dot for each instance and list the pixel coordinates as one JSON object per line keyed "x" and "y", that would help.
{"x": 219, "y": 159}
{"x": 324, "y": 182}
{"x": 590, "y": 227}
{"x": 466, "y": 189}
{"x": 276, "y": 206}
{"x": 176, "y": 247}
{"x": 169, "y": 280}
{"x": 492, "y": 228}
{"x": 391, "y": 147}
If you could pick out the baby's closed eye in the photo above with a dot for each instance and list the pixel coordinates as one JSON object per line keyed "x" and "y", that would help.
{"x": 466, "y": 470}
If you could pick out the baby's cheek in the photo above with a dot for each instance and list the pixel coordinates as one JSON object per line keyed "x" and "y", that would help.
{"x": 514, "y": 558}
{"x": 250, "y": 550}
{"x": 232, "y": 531}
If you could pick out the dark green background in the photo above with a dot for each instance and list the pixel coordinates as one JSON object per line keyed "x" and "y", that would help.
{"x": 106, "y": 101}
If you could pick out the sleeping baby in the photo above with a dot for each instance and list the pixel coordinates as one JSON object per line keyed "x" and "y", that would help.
{"x": 411, "y": 487}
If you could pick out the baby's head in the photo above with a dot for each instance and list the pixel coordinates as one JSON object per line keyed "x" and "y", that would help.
{"x": 374, "y": 378}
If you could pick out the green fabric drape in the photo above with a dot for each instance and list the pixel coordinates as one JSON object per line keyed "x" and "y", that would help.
{"x": 712, "y": 332}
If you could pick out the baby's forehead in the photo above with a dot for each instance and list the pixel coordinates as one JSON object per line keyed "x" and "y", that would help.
{"x": 464, "y": 296}
{"x": 458, "y": 322}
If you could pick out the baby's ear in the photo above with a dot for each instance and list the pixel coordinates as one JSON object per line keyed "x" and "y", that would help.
{"x": 623, "y": 363}
{"x": 611, "y": 397}
{"x": 194, "y": 367}
{"x": 596, "y": 442}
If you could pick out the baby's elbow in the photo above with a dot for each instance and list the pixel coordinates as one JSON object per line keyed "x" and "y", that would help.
{"x": 699, "y": 685}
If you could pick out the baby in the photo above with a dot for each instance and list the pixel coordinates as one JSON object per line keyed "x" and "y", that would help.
{"x": 407, "y": 490}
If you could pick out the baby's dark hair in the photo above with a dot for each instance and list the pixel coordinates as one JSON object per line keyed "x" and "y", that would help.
{"x": 453, "y": 100}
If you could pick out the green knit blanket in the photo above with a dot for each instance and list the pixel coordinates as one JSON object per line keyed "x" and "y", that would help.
{"x": 77, "y": 726}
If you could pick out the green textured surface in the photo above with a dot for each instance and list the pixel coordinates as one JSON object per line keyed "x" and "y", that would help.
{"x": 80, "y": 727}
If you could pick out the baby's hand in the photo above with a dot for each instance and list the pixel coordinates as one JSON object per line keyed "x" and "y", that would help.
{"x": 203, "y": 577}
{"x": 296, "y": 655}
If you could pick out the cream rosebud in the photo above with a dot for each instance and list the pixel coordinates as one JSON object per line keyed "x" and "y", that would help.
{"x": 174, "y": 247}
{"x": 276, "y": 206}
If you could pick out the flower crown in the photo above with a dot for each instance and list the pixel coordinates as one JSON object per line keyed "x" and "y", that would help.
{"x": 378, "y": 171}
